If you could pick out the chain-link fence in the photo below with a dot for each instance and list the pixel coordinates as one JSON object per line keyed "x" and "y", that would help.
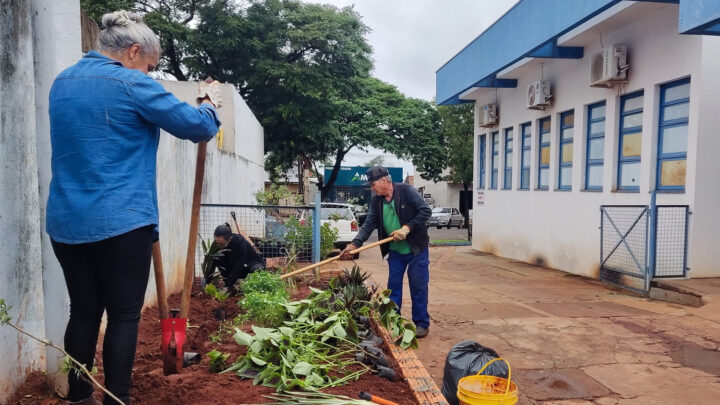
{"x": 671, "y": 241}
{"x": 624, "y": 243}
{"x": 277, "y": 232}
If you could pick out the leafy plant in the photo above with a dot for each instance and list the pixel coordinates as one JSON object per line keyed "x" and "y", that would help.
{"x": 264, "y": 296}
{"x": 218, "y": 361}
{"x": 300, "y": 237}
{"x": 402, "y": 330}
{"x": 216, "y": 294}
{"x": 211, "y": 252}
{"x": 328, "y": 237}
{"x": 263, "y": 282}
{"x": 314, "y": 398}
{"x": 276, "y": 193}
{"x": 69, "y": 363}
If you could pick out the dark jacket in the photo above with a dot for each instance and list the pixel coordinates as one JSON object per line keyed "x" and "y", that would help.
{"x": 412, "y": 210}
{"x": 238, "y": 259}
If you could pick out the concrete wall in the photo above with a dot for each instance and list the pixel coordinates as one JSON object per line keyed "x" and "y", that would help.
{"x": 231, "y": 176}
{"x": 443, "y": 193}
{"x": 560, "y": 228}
{"x": 38, "y": 39}
{"x": 20, "y": 260}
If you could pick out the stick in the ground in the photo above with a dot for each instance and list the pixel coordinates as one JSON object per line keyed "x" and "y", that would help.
{"x": 5, "y": 320}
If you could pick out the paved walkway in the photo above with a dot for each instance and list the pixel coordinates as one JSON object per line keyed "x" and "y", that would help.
{"x": 570, "y": 340}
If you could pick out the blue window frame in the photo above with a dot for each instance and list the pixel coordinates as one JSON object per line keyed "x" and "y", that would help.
{"x": 630, "y": 143}
{"x": 525, "y": 157}
{"x": 567, "y": 129}
{"x": 507, "y": 181}
{"x": 544, "y": 154}
{"x": 673, "y": 135}
{"x": 595, "y": 147}
{"x": 481, "y": 162}
{"x": 494, "y": 161}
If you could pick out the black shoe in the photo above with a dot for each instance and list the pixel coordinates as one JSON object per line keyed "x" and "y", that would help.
{"x": 421, "y": 332}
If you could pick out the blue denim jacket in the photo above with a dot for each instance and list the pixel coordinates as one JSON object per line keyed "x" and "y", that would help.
{"x": 105, "y": 125}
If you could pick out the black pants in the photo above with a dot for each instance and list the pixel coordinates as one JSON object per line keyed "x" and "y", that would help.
{"x": 110, "y": 275}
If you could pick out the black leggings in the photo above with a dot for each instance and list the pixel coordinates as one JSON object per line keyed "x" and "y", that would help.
{"x": 110, "y": 275}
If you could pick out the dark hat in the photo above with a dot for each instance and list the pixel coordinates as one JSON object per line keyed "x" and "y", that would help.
{"x": 375, "y": 173}
{"x": 223, "y": 230}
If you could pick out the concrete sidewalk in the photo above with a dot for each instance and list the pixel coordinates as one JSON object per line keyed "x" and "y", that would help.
{"x": 569, "y": 340}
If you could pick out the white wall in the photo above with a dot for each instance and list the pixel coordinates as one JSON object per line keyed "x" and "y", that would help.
{"x": 559, "y": 229}
{"x": 443, "y": 193}
{"x": 231, "y": 177}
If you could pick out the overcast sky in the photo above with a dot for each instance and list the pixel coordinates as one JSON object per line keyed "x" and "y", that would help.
{"x": 411, "y": 39}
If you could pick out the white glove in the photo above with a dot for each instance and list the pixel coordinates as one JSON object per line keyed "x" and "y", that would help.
{"x": 210, "y": 90}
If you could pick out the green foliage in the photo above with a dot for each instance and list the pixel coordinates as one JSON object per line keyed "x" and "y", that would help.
{"x": 218, "y": 361}
{"x": 264, "y": 296}
{"x": 299, "y": 236}
{"x": 4, "y": 315}
{"x": 96, "y": 8}
{"x": 456, "y": 126}
{"x": 402, "y": 330}
{"x": 328, "y": 237}
{"x": 314, "y": 398}
{"x": 276, "y": 193}
{"x": 211, "y": 252}
{"x": 216, "y": 294}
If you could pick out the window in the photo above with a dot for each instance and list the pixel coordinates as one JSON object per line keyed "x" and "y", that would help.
{"x": 630, "y": 144}
{"x": 507, "y": 182}
{"x": 595, "y": 147}
{"x": 567, "y": 124}
{"x": 494, "y": 161}
{"x": 673, "y": 135}
{"x": 544, "y": 154}
{"x": 481, "y": 162}
{"x": 525, "y": 157}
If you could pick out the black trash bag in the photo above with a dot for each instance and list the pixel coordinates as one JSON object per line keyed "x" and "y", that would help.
{"x": 467, "y": 358}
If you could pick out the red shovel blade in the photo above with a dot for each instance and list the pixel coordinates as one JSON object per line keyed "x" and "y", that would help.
{"x": 171, "y": 346}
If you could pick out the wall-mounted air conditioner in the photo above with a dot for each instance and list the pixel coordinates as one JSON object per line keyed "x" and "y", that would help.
{"x": 488, "y": 116}
{"x": 609, "y": 67}
{"x": 539, "y": 95}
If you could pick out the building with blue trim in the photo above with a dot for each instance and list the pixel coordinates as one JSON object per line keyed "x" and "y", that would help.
{"x": 596, "y": 114}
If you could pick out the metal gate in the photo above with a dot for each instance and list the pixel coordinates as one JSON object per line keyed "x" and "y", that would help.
{"x": 639, "y": 243}
{"x": 624, "y": 246}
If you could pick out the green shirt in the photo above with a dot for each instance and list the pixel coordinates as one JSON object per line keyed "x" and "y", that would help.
{"x": 391, "y": 223}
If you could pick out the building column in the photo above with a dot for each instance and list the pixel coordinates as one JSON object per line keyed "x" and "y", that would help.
{"x": 20, "y": 262}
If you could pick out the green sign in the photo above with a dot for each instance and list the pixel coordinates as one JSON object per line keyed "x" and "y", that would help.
{"x": 355, "y": 175}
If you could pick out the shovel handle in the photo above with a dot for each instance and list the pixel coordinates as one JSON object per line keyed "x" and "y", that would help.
{"x": 332, "y": 259}
{"x": 194, "y": 225}
{"x": 160, "y": 281}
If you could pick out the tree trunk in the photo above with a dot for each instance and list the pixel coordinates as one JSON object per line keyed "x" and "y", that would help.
{"x": 325, "y": 189}
{"x": 466, "y": 213}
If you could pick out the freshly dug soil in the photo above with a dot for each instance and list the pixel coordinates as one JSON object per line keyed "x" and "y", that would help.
{"x": 197, "y": 385}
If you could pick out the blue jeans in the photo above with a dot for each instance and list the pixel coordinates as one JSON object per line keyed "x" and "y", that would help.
{"x": 418, "y": 277}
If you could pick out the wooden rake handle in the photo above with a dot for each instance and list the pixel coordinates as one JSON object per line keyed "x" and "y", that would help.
{"x": 332, "y": 259}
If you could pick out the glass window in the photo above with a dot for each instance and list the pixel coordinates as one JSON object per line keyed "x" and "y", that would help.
{"x": 595, "y": 152}
{"x": 481, "y": 162}
{"x": 673, "y": 135}
{"x": 567, "y": 120}
{"x": 507, "y": 181}
{"x": 494, "y": 161}
{"x": 630, "y": 142}
{"x": 544, "y": 154}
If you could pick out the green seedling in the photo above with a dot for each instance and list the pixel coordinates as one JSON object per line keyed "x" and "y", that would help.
{"x": 218, "y": 361}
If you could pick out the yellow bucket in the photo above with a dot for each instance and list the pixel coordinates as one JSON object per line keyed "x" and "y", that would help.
{"x": 486, "y": 389}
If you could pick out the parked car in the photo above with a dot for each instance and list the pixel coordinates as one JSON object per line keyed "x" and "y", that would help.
{"x": 445, "y": 216}
{"x": 340, "y": 217}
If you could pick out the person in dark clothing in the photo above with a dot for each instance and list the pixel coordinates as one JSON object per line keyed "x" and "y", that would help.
{"x": 399, "y": 211}
{"x": 238, "y": 259}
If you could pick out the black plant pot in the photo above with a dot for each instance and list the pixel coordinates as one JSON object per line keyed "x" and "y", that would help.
{"x": 387, "y": 373}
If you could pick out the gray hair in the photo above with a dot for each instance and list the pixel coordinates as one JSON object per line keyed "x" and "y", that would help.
{"x": 123, "y": 29}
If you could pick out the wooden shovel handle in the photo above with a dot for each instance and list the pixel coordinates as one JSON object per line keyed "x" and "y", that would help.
{"x": 194, "y": 225}
{"x": 160, "y": 281}
{"x": 332, "y": 259}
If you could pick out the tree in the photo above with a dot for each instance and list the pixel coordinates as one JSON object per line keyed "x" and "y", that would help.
{"x": 378, "y": 160}
{"x": 382, "y": 117}
{"x": 456, "y": 125}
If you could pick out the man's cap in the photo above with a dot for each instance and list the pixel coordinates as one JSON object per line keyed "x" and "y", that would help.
{"x": 375, "y": 173}
{"x": 223, "y": 230}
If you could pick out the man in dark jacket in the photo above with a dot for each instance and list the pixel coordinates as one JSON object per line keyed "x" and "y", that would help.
{"x": 399, "y": 211}
{"x": 238, "y": 259}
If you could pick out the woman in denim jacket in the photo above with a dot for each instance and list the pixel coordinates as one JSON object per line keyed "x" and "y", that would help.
{"x": 105, "y": 119}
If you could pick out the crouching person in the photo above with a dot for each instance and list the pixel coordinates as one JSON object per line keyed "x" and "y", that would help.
{"x": 238, "y": 258}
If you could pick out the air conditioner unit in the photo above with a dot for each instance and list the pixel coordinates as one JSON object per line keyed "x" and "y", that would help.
{"x": 539, "y": 95}
{"x": 609, "y": 67}
{"x": 488, "y": 116}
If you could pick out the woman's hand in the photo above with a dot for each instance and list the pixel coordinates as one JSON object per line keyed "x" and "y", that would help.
{"x": 209, "y": 90}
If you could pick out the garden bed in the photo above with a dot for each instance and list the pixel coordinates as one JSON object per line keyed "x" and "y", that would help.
{"x": 196, "y": 384}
